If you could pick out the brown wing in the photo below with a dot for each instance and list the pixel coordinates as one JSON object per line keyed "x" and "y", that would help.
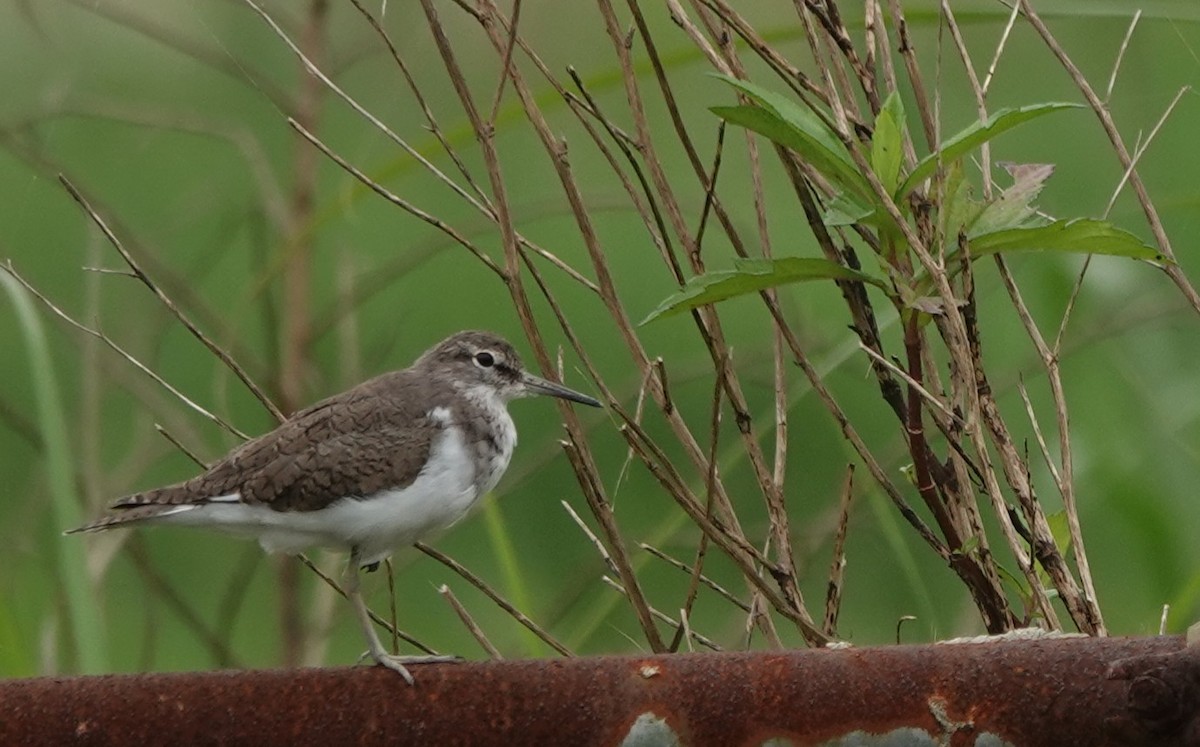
{"x": 375, "y": 436}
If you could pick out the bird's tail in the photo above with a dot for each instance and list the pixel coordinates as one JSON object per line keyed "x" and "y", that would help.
{"x": 122, "y": 516}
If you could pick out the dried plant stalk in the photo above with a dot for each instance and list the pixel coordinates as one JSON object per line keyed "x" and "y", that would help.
{"x": 933, "y": 371}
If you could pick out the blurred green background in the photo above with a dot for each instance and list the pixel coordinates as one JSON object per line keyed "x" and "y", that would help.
{"x": 170, "y": 116}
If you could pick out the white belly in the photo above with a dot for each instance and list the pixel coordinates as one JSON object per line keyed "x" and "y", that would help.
{"x": 377, "y": 524}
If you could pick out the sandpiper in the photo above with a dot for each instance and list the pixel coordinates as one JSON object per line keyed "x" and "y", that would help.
{"x": 368, "y": 471}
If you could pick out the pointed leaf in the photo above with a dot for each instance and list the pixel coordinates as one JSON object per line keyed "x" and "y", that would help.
{"x": 1019, "y": 583}
{"x": 974, "y": 136}
{"x": 769, "y": 124}
{"x": 1079, "y": 235}
{"x": 1060, "y": 530}
{"x": 795, "y": 126}
{"x": 962, "y": 208}
{"x": 845, "y": 211}
{"x": 752, "y": 275}
{"x": 796, "y": 114}
{"x": 886, "y": 142}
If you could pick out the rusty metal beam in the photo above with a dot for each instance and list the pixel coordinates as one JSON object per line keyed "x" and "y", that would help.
{"x": 1040, "y": 692}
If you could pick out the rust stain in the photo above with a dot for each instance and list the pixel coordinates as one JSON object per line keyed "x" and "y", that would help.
{"x": 1053, "y": 691}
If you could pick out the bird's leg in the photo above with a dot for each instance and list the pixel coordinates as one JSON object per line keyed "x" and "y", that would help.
{"x": 374, "y": 646}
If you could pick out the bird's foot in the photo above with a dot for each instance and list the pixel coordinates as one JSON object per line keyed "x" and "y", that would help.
{"x": 396, "y": 662}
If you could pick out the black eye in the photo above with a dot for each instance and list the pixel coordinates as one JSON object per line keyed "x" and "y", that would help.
{"x": 485, "y": 359}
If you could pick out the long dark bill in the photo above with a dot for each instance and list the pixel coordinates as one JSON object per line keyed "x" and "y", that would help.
{"x": 538, "y": 385}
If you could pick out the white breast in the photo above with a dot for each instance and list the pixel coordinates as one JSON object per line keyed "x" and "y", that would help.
{"x": 378, "y": 524}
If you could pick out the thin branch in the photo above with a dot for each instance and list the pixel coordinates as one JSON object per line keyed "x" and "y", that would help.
{"x": 837, "y": 567}
{"x": 377, "y": 619}
{"x": 473, "y": 627}
{"x": 315, "y": 71}
{"x": 430, "y": 120}
{"x": 1102, "y": 113}
{"x": 1000, "y": 46}
{"x": 492, "y": 594}
{"x": 720, "y": 590}
{"x": 141, "y": 275}
{"x": 583, "y": 527}
{"x": 395, "y": 199}
{"x": 175, "y": 442}
{"x": 680, "y": 624}
{"x": 930, "y": 398}
{"x": 1112, "y": 78}
{"x": 513, "y": 24}
{"x": 1139, "y": 151}
{"x": 8, "y": 267}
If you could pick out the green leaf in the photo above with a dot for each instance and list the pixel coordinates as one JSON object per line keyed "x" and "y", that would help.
{"x": 1060, "y": 530}
{"x": 961, "y": 208}
{"x": 1018, "y": 582}
{"x": 753, "y": 275}
{"x": 769, "y": 124}
{"x": 1078, "y": 236}
{"x": 975, "y": 136}
{"x": 886, "y": 142}
{"x": 845, "y": 211}
{"x": 970, "y": 546}
{"x": 795, "y": 126}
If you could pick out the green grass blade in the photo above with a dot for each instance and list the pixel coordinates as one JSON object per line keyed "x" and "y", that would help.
{"x": 516, "y": 590}
{"x": 85, "y": 625}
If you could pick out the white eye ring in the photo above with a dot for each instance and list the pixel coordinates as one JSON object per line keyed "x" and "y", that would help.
{"x": 485, "y": 359}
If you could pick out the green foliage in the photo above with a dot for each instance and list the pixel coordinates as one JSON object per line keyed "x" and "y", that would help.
{"x": 887, "y": 142}
{"x": 1061, "y": 531}
{"x": 1078, "y": 236}
{"x": 974, "y": 136}
{"x": 795, "y": 126}
{"x": 1003, "y": 225}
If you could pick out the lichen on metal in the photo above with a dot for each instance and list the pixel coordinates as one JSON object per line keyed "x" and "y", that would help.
{"x": 649, "y": 670}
